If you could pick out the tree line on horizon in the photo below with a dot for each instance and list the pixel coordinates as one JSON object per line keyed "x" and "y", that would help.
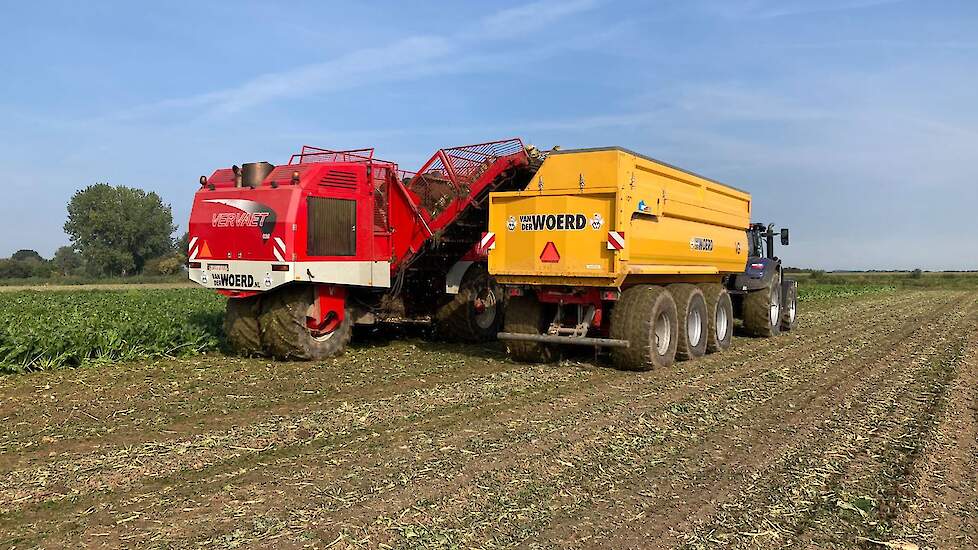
{"x": 114, "y": 231}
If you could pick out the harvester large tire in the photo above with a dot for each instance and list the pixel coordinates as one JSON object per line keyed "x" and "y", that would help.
{"x": 241, "y": 325}
{"x": 285, "y": 334}
{"x": 789, "y": 311}
{"x": 645, "y": 316}
{"x": 719, "y": 314}
{"x": 526, "y": 315}
{"x": 475, "y": 313}
{"x": 693, "y": 321}
{"x": 762, "y": 310}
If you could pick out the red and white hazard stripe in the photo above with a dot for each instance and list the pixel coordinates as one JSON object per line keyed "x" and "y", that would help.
{"x": 616, "y": 240}
{"x": 191, "y": 251}
{"x": 278, "y": 243}
{"x": 488, "y": 242}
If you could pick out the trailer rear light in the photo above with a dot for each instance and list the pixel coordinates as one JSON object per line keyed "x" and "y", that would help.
{"x": 515, "y": 291}
{"x": 280, "y": 267}
{"x": 757, "y": 266}
{"x": 194, "y": 265}
{"x": 609, "y": 295}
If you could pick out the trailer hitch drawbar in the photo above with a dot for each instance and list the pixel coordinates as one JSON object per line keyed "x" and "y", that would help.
{"x": 575, "y": 340}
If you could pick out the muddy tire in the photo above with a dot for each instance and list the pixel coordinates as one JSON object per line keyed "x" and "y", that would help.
{"x": 693, "y": 321}
{"x": 719, "y": 315}
{"x": 645, "y": 315}
{"x": 241, "y": 325}
{"x": 475, "y": 313}
{"x": 789, "y": 313}
{"x": 762, "y": 311}
{"x": 526, "y": 315}
{"x": 284, "y": 333}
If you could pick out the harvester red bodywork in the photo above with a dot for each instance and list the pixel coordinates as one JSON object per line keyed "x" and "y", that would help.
{"x": 352, "y": 225}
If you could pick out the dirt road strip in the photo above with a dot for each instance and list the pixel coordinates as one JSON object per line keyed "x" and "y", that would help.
{"x": 859, "y": 425}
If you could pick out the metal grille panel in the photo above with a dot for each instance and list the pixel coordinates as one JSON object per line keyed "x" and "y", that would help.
{"x": 332, "y": 227}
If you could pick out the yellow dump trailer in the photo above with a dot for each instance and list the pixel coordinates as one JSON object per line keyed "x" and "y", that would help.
{"x": 608, "y": 247}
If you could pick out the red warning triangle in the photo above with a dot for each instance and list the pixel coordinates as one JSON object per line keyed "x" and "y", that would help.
{"x": 205, "y": 251}
{"x": 550, "y": 254}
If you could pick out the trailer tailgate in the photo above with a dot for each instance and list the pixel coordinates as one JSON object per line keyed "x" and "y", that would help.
{"x": 552, "y": 234}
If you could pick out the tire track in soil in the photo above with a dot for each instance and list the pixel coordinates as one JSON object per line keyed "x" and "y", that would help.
{"x": 87, "y": 429}
{"x": 158, "y": 450}
{"x": 495, "y": 420}
{"x": 922, "y": 479}
{"x": 695, "y": 451}
{"x": 809, "y": 473}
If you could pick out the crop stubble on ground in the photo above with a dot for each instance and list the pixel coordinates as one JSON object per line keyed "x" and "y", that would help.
{"x": 860, "y": 426}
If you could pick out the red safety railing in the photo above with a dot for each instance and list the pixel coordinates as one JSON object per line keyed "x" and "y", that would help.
{"x": 463, "y": 165}
{"x": 311, "y": 154}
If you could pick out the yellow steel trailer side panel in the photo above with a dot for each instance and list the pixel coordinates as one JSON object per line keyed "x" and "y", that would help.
{"x": 674, "y": 223}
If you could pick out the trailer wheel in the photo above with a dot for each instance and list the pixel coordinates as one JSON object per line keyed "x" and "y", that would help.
{"x": 646, "y": 317}
{"x": 475, "y": 313}
{"x": 762, "y": 310}
{"x": 790, "y": 300}
{"x": 285, "y": 331}
{"x": 693, "y": 321}
{"x": 719, "y": 313}
{"x": 241, "y": 325}
{"x": 526, "y": 315}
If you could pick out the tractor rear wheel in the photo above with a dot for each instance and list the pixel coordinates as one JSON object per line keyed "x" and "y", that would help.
{"x": 719, "y": 313}
{"x": 762, "y": 310}
{"x": 286, "y": 331}
{"x": 693, "y": 321}
{"x": 241, "y": 325}
{"x": 645, "y": 316}
{"x": 526, "y": 315}
{"x": 475, "y": 313}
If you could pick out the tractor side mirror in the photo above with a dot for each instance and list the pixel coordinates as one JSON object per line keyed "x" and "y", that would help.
{"x": 784, "y": 236}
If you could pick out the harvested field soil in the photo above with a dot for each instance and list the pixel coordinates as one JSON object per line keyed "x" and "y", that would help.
{"x": 856, "y": 430}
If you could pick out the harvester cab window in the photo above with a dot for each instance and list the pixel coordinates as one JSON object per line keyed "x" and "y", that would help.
{"x": 381, "y": 185}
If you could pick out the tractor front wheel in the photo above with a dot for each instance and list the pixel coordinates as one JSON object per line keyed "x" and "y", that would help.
{"x": 287, "y": 331}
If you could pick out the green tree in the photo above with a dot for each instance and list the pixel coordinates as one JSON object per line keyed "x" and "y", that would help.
{"x": 13, "y": 269}
{"x": 183, "y": 243}
{"x": 67, "y": 261}
{"x": 118, "y": 229}
{"x": 26, "y": 254}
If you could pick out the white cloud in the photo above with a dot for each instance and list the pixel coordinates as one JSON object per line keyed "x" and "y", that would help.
{"x": 403, "y": 59}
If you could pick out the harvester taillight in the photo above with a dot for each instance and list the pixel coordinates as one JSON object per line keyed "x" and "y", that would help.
{"x": 194, "y": 265}
{"x": 295, "y": 178}
{"x": 280, "y": 267}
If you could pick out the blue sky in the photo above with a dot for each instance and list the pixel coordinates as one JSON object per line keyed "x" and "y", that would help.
{"x": 854, "y": 122}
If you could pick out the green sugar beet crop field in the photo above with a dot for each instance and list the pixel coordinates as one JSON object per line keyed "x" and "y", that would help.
{"x": 54, "y": 329}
